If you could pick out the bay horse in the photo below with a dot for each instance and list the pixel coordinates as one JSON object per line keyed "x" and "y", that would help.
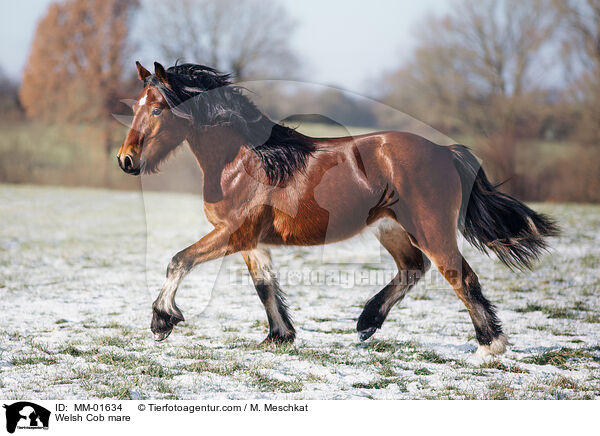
{"x": 267, "y": 184}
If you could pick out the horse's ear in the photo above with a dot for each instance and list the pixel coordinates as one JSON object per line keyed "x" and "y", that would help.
{"x": 160, "y": 72}
{"x": 142, "y": 72}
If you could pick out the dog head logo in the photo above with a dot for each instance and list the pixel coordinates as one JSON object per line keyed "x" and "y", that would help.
{"x": 26, "y": 415}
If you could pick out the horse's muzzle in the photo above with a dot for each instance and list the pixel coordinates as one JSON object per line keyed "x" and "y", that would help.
{"x": 126, "y": 164}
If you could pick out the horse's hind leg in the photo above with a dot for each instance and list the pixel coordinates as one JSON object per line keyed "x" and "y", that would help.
{"x": 465, "y": 283}
{"x": 488, "y": 329}
{"x": 412, "y": 265}
{"x": 271, "y": 296}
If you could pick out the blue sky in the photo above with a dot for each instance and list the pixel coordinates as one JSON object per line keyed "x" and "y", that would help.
{"x": 342, "y": 43}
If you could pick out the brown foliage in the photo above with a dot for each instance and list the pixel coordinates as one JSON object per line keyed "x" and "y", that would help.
{"x": 75, "y": 66}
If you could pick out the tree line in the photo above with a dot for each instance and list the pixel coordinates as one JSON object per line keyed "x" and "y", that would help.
{"x": 518, "y": 81}
{"x": 513, "y": 78}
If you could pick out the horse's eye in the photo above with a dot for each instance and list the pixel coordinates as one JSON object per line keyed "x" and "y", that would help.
{"x": 156, "y": 111}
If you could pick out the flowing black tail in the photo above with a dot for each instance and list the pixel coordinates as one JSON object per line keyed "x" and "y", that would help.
{"x": 491, "y": 220}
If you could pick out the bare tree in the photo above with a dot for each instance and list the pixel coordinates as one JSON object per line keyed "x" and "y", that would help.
{"x": 477, "y": 71}
{"x": 249, "y": 38}
{"x": 581, "y": 45}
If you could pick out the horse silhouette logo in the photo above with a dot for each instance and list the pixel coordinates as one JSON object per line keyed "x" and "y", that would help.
{"x": 26, "y": 415}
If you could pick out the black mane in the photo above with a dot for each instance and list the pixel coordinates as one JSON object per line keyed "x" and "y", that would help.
{"x": 208, "y": 98}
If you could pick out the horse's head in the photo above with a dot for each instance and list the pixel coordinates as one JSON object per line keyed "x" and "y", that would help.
{"x": 155, "y": 131}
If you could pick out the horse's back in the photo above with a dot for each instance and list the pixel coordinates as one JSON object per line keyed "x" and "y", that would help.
{"x": 341, "y": 190}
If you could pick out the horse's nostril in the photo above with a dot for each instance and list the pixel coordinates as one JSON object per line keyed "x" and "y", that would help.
{"x": 128, "y": 163}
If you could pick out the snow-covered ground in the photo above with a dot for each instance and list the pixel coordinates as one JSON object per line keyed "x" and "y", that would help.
{"x": 79, "y": 270}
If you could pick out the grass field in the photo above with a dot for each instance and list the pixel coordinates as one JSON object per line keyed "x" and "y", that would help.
{"x": 80, "y": 268}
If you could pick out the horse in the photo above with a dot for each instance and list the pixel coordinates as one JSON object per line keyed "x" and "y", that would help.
{"x": 266, "y": 184}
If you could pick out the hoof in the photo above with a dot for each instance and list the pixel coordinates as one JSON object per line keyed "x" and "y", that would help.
{"x": 496, "y": 347}
{"x": 369, "y": 320}
{"x": 162, "y": 324}
{"x": 277, "y": 339}
{"x": 365, "y": 334}
{"x": 161, "y": 336}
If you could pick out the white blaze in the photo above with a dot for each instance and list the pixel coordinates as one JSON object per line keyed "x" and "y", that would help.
{"x": 142, "y": 101}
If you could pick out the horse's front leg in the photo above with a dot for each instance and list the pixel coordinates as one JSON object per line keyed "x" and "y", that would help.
{"x": 260, "y": 267}
{"x": 166, "y": 314}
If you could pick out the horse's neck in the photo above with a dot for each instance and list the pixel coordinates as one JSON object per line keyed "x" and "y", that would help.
{"x": 214, "y": 148}
{"x": 217, "y": 150}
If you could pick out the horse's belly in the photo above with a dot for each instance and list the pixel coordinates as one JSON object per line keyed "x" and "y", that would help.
{"x": 315, "y": 224}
